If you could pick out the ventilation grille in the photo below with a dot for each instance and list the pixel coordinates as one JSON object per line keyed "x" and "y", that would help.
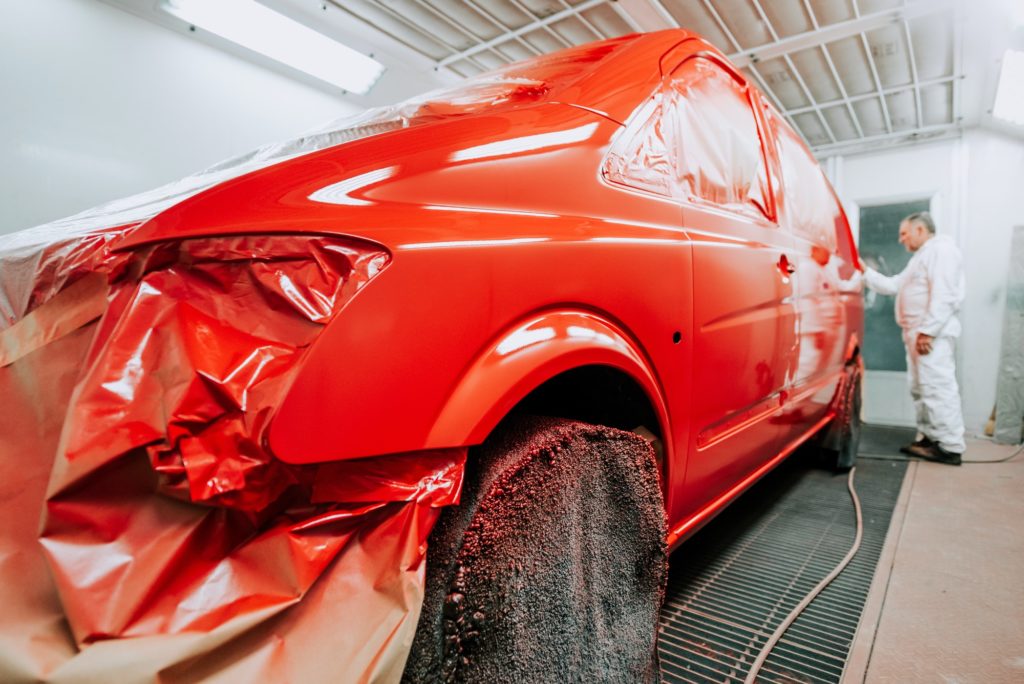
{"x": 732, "y": 584}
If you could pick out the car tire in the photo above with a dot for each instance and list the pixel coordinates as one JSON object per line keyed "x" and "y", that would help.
{"x": 844, "y": 455}
{"x": 553, "y": 566}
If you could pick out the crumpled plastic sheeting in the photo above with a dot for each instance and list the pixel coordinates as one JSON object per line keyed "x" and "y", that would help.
{"x": 197, "y": 350}
{"x": 178, "y": 548}
{"x": 695, "y": 139}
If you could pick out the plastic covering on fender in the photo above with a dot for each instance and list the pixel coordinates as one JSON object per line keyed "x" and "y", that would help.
{"x": 173, "y": 545}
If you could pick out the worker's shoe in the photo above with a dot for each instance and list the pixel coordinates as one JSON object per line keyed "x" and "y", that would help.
{"x": 936, "y": 454}
{"x": 924, "y": 442}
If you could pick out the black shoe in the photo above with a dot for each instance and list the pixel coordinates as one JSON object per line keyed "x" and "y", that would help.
{"x": 936, "y": 454}
{"x": 924, "y": 442}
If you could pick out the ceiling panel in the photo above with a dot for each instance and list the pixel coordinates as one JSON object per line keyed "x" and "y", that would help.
{"x": 698, "y": 16}
{"x": 937, "y": 104}
{"x": 902, "y": 110}
{"x": 841, "y": 122}
{"x": 788, "y": 17}
{"x": 813, "y": 130}
{"x": 744, "y": 22}
{"x": 545, "y": 40}
{"x": 932, "y": 37}
{"x": 871, "y": 117}
{"x": 574, "y": 31}
{"x": 812, "y": 65}
{"x": 782, "y": 81}
{"x": 888, "y": 48}
{"x": 508, "y": 13}
{"x": 852, "y": 64}
{"x": 831, "y": 12}
{"x": 868, "y": 6}
{"x": 607, "y": 21}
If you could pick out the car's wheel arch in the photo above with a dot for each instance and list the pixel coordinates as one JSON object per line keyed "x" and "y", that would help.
{"x": 530, "y": 363}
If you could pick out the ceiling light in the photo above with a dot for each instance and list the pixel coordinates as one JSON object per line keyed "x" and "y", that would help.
{"x": 1010, "y": 94}
{"x": 261, "y": 29}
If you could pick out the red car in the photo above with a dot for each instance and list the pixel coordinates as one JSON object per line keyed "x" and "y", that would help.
{"x": 253, "y": 393}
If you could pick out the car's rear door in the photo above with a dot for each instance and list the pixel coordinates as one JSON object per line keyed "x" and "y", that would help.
{"x": 745, "y": 321}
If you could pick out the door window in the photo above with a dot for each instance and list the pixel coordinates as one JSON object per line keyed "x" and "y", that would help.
{"x": 810, "y": 210}
{"x": 718, "y": 145}
{"x": 695, "y": 139}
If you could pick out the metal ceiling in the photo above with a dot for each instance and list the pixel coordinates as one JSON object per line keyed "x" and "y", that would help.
{"x": 847, "y": 74}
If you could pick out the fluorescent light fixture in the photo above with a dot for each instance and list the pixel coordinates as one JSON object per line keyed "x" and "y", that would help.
{"x": 261, "y": 29}
{"x": 1010, "y": 93}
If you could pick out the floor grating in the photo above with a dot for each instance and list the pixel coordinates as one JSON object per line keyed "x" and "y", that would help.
{"x": 733, "y": 583}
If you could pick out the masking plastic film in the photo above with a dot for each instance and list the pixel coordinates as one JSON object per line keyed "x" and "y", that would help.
{"x": 696, "y": 139}
{"x": 173, "y": 546}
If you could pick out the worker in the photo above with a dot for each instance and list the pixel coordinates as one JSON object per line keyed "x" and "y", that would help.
{"x": 928, "y": 296}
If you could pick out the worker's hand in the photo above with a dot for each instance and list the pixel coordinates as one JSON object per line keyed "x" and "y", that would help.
{"x": 924, "y": 343}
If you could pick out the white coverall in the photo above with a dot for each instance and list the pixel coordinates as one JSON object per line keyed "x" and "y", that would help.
{"x": 929, "y": 292}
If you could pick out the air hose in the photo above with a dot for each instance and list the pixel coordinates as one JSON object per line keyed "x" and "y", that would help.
{"x": 755, "y": 669}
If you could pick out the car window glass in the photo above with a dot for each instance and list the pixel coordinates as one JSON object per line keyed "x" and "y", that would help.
{"x": 810, "y": 211}
{"x": 717, "y": 144}
{"x": 641, "y": 157}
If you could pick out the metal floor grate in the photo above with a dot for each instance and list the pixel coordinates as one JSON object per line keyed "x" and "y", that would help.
{"x": 734, "y": 582}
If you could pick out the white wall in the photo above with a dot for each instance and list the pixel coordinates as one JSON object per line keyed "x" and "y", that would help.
{"x": 96, "y": 104}
{"x": 975, "y": 186}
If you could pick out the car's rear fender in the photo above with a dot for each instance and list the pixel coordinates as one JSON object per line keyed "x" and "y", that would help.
{"x": 531, "y": 353}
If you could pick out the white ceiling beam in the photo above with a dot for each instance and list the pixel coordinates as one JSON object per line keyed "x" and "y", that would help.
{"x": 752, "y": 71}
{"x": 874, "y": 73}
{"x": 550, "y": 31}
{"x": 878, "y": 82}
{"x": 837, "y": 31}
{"x": 647, "y": 15}
{"x": 792, "y": 68}
{"x": 584, "y": 21}
{"x": 927, "y": 133}
{"x": 913, "y": 74}
{"x": 489, "y": 17}
{"x": 835, "y": 73}
{"x": 430, "y": 9}
{"x": 532, "y": 26}
{"x": 633, "y": 24}
{"x": 422, "y": 31}
{"x": 942, "y": 80}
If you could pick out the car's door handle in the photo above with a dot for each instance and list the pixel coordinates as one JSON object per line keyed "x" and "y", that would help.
{"x": 785, "y": 265}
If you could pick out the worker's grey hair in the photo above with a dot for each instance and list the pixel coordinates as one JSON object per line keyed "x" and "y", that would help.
{"x": 924, "y": 218}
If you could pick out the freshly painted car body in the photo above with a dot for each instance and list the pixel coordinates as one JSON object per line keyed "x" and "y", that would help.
{"x": 515, "y": 259}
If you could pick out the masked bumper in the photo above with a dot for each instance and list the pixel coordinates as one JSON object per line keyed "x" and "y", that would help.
{"x": 174, "y": 546}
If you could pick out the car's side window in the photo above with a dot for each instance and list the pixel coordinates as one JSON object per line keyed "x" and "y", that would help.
{"x": 695, "y": 139}
{"x": 718, "y": 145}
{"x": 642, "y": 155}
{"x": 809, "y": 211}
